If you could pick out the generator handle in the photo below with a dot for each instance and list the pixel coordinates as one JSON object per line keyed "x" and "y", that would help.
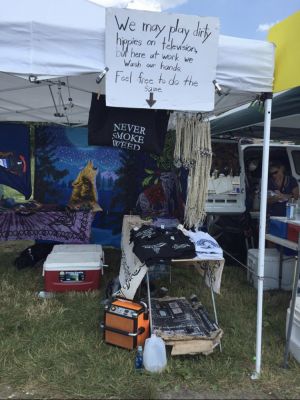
{"x": 145, "y": 305}
{"x": 115, "y": 330}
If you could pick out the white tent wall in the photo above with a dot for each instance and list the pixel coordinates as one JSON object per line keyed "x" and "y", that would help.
{"x": 244, "y": 69}
{"x": 63, "y": 40}
{"x": 57, "y": 37}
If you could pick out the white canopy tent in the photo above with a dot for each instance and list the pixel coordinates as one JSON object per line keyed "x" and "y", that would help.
{"x": 65, "y": 38}
{"x": 52, "y": 51}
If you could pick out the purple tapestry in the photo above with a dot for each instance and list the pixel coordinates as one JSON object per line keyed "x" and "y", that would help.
{"x": 61, "y": 226}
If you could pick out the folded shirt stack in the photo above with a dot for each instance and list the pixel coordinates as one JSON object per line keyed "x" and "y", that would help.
{"x": 207, "y": 248}
{"x": 152, "y": 244}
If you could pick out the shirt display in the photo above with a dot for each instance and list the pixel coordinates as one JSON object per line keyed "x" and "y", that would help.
{"x": 206, "y": 246}
{"x": 152, "y": 244}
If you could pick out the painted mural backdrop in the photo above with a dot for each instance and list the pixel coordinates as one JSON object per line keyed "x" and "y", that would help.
{"x": 125, "y": 182}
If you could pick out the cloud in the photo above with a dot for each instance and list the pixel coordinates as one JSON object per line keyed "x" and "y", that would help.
{"x": 111, "y": 3}
{"x": 148, "y": 5}
{"x": 265, "y": 27}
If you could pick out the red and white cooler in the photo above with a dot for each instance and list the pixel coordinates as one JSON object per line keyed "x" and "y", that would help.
{"x": 73, "y": 267}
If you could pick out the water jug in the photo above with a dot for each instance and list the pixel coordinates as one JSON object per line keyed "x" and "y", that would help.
{"x": 155, "y": 357}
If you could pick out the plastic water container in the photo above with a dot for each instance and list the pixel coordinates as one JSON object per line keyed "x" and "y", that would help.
{"x": 295, "y": 336}
{"x": 155, "y": 357}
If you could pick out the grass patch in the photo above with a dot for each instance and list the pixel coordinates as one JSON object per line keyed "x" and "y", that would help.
{"x": 54, "y": 348}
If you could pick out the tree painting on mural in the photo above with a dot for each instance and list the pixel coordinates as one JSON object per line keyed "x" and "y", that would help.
{"x": 150, "y": 185}
{"x": 46, "y": 181}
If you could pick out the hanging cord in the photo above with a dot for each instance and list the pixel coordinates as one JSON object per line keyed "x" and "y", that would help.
{"x": 178, "y": 141}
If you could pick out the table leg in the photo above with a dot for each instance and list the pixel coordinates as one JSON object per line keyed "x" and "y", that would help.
{"x": 280, "y": 267}
{"x": 213, "y": 301}
{"x": 292, "y": 308}
{"x": 149, "y": 301}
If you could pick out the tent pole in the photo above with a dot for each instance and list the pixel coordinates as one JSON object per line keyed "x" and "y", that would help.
{"x": 262, "y": 232}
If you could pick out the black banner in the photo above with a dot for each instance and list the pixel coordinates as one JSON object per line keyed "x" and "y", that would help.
{"x": 126, "y": 128}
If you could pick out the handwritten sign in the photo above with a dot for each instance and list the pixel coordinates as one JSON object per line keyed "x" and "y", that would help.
{"x": 161, "y": 61}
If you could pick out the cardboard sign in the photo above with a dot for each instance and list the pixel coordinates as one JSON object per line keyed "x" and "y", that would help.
{"x": 162, "y": 61}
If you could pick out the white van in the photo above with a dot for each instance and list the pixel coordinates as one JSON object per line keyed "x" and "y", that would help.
{"x": 236, "y": 173}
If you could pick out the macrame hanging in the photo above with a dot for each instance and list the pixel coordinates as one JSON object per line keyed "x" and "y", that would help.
{"x": 193, "y": 151}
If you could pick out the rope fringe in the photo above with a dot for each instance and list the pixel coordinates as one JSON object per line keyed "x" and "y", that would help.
{"x": 193, "y": 151}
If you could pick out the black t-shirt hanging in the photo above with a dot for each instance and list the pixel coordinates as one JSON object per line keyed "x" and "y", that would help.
{"x": 126, "y": 128}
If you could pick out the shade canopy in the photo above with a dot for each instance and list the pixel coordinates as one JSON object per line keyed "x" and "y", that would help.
{"x": 60, "y": 44}
{"x": 249, "y": 121}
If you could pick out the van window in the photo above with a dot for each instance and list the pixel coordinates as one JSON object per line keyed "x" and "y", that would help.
{"x": 296, "y": 160}
{"x": 225, "y": 159}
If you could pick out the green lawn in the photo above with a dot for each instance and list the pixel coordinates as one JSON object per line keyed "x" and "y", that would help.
{"x": 53, "y": 348}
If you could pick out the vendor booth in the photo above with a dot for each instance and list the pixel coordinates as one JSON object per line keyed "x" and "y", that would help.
{"x": 51, "y": 64}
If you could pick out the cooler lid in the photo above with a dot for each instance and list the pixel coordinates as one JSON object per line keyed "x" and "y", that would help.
{"x": 72, "y": 261}
{"x": 74, "y": 248}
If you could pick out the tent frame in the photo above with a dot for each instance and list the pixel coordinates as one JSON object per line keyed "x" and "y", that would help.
{"x": 262, "y": 232}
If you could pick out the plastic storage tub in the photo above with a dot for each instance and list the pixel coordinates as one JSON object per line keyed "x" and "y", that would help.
{"x": 288, "y": 270}
{"x": 293, "y": 231}
{"x": 295, "y": 336}
{"x": 271, "y": 268}
{"x": 278, "y": 227}
{"x": 272, "y": 262}
{"x": 72, "y": 271}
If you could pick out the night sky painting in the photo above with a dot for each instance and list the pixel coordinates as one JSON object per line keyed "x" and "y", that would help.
{"x": 127, "y": 182}
{"x": 60, "y": 155}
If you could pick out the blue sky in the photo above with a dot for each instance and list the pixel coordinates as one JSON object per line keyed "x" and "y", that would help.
{"x": 243, "y": 18}
{"x": 249, "y": 19}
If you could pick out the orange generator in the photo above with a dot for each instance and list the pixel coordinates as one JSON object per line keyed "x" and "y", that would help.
{"x": 126, "y": 323}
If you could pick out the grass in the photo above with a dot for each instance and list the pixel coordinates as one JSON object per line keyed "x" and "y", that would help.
{"x": 53, "y": 348}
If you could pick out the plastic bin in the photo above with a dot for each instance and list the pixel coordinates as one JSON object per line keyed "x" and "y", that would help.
{"x": 272, "y": 262}
{"x": 278, "y": 227}
{"x": 293, "y": 231}
{"x": 271, "y": 268}
{"x": 288, "y": 270}
{"x": 295, "y": 336}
